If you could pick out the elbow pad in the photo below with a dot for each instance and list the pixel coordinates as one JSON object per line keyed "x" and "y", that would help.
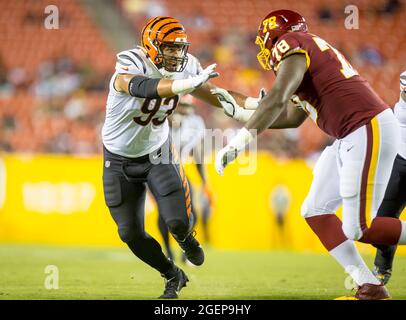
{"x": 143, "y": 87}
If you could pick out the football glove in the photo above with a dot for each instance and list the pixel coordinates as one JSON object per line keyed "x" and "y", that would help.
{"x": 403, "y": 81}
{"x": 253, "y": 103}
{"x": 230, "y": 152}
{"x": 185, "y": 86}
{"x": 230, "y": 106}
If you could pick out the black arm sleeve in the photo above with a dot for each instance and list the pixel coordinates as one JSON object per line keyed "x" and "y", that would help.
{"x": 143, "y": 87}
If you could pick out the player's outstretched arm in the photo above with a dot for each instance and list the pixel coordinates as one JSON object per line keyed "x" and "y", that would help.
{"x": 288, "y": 79}
{"x": 207, "y": 93}
{"x": 291, "y": 117}
{"x": 144, "y": 87}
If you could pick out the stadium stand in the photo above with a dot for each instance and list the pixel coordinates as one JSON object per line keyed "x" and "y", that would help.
{"x": 53, "y": 82}
{"x": 44, "y": 72}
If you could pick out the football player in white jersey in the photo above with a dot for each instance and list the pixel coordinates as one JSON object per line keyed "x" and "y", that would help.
{"x": 395, "y": 196}
{"x": 187, "y": 132}
{"x": 144, "y": 91}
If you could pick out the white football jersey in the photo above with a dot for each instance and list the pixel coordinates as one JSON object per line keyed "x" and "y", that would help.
{"x": 190, "y": 133}
{"x": 135, "y": 126}
{"x": 400, "y": 113}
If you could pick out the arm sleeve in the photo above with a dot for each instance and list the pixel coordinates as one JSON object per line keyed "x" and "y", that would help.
{"x": 130, "y": 62}
{"x": 143, "y": 87}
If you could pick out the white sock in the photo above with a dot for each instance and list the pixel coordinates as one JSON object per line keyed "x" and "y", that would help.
{"x": 348, "y": 256}
{"x": 402, "y": 238}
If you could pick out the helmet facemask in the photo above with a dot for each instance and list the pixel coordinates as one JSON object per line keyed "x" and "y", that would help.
{"x": 264, "y": 55}
{"x": 172, "y": 56}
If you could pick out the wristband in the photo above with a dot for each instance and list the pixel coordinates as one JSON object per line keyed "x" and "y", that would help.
{"x": 242, "y": 138}
{"x": 182, "y": 86}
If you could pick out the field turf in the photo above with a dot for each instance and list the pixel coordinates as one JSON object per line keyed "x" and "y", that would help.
{"x": 113, "y": 273}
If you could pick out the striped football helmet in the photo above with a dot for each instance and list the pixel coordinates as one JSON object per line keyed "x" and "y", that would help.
{"x": 165, "y": 42}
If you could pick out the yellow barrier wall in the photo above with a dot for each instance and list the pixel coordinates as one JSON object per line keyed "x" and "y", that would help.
{"x": 59, "y": 200}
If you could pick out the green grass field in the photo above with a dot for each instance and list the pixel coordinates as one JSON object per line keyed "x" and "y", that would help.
{"x": 113, "y": 273}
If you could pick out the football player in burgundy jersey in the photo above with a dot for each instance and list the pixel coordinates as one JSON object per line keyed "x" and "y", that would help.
{"x": 355, "y": 170}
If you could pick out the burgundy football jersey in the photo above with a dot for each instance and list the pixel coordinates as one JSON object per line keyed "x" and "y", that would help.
{"x": 339, "y": 100}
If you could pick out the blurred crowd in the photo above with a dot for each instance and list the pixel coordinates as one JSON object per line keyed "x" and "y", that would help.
{"x": 58, "y": 114}
{"x": 58, "y": 105}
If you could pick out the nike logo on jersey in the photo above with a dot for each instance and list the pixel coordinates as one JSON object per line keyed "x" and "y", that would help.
{"x": 348, "y": 149}
{"x": 156, "y": 156}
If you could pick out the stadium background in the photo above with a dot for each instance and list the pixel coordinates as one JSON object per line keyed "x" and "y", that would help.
{"x": 52, "y": 99}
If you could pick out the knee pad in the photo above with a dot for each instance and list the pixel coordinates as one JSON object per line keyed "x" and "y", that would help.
{"x": 127, "y": 234}
{"x": 352, "y": 232}
{"x": 178, "y": 228}
{"x": 305, "y": 210}
{"x": 311, "y": 209}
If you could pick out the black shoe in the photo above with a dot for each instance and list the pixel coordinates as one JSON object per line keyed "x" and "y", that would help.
{"x": 383, "y": 275}
{"x": 193, "y": 251}
{"x": 174, "y": 285}
{"x": 184, "y": 260}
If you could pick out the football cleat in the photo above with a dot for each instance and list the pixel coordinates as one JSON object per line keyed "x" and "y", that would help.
{"x": 382, "y": 275}
{"x": 185, "y": 261}
{"x": 192, "y": 249}
{"x": 174, "y": 285}
{"x": 369, "y": 291}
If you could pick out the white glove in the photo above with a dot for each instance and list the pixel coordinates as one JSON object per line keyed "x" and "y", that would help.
{"x": 230, "y": 152}
{"x": 253, "y": 103}
{"x": 188, "y": 85}
{"x": 403, "y": 81}
{"x": 403, "y": 86}
{"x": 230, "y": 106}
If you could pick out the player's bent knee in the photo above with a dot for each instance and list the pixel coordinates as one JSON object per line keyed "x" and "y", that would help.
{"x": 178, "y": 227}
{"x": 352, "y": 232}
{"x": 127, "y": 234}
{"x": 305, "y": 210}
{"x": 308, "y": 211}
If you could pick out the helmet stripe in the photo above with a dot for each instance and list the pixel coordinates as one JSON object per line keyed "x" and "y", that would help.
{"x": 158, "y": 20}
{"x": 166, "y": 24}
{"x": 153, "y": 23}
{"x": 172, "y": 31}
{"x": 169, "y": 27}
